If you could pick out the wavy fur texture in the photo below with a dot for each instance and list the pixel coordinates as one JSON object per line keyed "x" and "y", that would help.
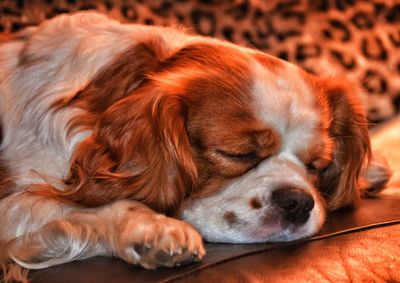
{"x": 139, "y": 142}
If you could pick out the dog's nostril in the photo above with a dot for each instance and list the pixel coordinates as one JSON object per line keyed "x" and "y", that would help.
{"x": 289, "y": 205}
{"x": 296, "y": 203}
{"x": 293, "y": 199}
{"x": 309, "y": 203}
{"x": 255, "y": 203}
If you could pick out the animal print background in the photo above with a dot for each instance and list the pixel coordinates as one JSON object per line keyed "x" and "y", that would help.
{"x": 357, "y": 40}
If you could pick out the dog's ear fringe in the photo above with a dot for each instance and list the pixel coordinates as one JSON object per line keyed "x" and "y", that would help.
{"x": 143, "y": 155}
{"x": 139, "y": 140}
{"x": 349, "y": 131}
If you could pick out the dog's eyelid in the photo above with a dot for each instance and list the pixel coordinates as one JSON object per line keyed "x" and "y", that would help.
{"x": 313, "y": 166}
{"x": 238, "y": 156}
{"x": 316, "y": 166}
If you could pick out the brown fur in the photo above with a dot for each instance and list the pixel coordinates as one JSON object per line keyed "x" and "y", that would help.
{"x": 152, "y": 143}
{"x": 166, "y": 124}
{"x": 160, "y": 142}
{"x": 349, "y": 132}
{"x": 270, "y": 63}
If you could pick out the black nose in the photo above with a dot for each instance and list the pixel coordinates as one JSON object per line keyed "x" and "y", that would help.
{"x": 296, "y": 203}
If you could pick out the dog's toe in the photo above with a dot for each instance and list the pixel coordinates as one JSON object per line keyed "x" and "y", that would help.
{"x": 162, "y": 241}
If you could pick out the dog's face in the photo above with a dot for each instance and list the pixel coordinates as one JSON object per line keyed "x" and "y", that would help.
{"x": 266, "y": 139}
{"x": 246, "y": 147}
{"x": 259, "y": 143}
{"x": 263, "y": 139}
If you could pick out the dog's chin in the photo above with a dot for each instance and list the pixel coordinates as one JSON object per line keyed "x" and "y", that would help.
{"x": 247, "y": 229}
{"x": 275, "y": 232}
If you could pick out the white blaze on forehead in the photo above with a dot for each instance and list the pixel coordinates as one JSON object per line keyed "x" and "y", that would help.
{"x": 283, "y": 100}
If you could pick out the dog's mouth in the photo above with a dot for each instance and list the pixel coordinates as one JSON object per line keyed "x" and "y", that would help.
{"x": 269, "y": 224}
{"x": 269, "y": 227}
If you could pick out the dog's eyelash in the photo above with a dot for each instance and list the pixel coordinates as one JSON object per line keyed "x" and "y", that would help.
{"x": 311, "y": 168}
{"x": 241, "y": 157}
{"x": 314, "y": 169}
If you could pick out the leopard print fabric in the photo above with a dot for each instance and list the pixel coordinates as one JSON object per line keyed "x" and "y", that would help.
{"x": 357, "y": 40}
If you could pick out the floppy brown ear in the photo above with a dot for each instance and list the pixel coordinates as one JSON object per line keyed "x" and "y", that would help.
{"x": 349, "y": 132}
{"x": 139, "y": 150}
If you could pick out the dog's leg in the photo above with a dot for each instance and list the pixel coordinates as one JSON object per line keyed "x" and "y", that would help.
{"x": 43, "y": 232}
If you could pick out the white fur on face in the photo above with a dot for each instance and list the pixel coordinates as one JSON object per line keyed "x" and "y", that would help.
{"x": 284, "y": 103}
{"x": 252, "y": 225}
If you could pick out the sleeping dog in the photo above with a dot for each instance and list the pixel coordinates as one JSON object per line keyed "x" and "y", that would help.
{"x": 140, "y": 141}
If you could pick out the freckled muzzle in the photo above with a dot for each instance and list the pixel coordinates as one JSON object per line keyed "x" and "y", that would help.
{"x": 273, "y": 202}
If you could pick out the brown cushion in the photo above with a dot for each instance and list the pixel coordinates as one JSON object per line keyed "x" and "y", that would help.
{"x": 353, "y": 244}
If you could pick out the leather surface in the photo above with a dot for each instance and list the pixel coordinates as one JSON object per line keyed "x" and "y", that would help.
{"x": 353, "y": 244}
{"x": 366, "y": 256}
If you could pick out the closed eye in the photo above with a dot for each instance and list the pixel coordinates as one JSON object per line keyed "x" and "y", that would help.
{"x": 238, "y": 156}
{"x": 314, "y": 169}
{"x": 311, "y": 168}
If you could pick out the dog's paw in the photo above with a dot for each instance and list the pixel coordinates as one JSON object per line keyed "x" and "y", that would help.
{"x": 160, "y": 241}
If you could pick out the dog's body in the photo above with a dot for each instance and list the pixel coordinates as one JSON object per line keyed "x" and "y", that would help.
{"x": 104, "y": 126}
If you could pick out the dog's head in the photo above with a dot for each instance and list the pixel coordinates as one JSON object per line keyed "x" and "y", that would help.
{"x": 246, "y": 147}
